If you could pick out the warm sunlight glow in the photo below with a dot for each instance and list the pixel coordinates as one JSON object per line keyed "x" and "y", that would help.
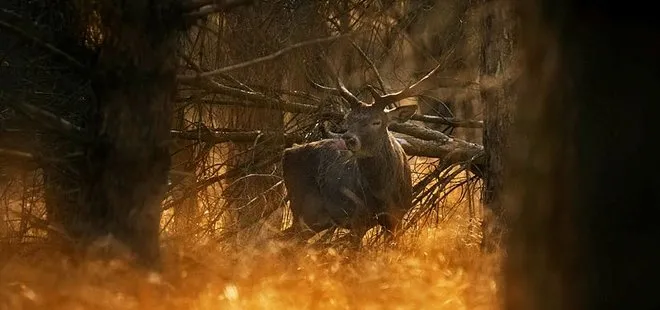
{"x": 438, "y": 268}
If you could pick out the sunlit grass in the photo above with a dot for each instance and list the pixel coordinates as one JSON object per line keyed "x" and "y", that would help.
{"x": 428, "y": 268}
{"x": 438, "y": 268}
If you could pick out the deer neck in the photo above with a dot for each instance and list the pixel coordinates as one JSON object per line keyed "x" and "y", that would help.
{"x": 380, "y": 171}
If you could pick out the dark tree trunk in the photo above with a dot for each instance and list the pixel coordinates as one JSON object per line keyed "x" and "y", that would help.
{"x": 134, "y": 84}
{"x": 497, "y": 29}
{"x": 584, "y": 185}
{"x": 117, "y": 186}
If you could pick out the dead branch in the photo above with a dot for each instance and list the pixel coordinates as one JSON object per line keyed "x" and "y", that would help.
{"x": 201, "y": 185}
{"x": 201, "y": 8}
{"x": 381, "y": 82}
{"x": 222, "y": 136}
{"x": 421, "y": 141}
{"x": 280, "y": 105}
{"x": 36, "y": 159}
{"x": 16, "y": 154}
{"x": 449, "y": 121}
{"x": 450, "y": 151}
{"x": 410, "y": 91}
{"x": 264, "y": 58}
{"x": 46, "y": 117}
{"x": 420, "y": 132}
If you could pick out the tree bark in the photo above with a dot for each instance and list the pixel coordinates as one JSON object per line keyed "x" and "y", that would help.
{"x": 116, "y": 186}
{"x": 581, "y": 190}
{"x": 497, "y": 27}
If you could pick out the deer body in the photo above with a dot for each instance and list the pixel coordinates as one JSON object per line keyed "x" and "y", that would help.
{"x": 328, "y": 186}
{"x": 357, "y": 180}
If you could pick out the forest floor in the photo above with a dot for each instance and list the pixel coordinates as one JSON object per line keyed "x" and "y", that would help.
{"x": 438, "y": 268}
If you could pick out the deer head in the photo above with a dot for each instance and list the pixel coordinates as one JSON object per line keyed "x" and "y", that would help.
{"x": 365, "y": 126}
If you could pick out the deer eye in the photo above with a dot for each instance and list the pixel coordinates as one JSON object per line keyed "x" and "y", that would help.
{"x": 376, "y": 123}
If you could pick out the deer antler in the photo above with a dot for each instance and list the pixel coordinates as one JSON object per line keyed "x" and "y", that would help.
{"x": 415, "y": 89}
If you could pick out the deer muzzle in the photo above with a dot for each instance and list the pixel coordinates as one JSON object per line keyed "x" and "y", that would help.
{"x": 352, "y": 142}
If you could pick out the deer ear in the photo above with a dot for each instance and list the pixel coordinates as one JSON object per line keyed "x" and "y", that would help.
{"x": 402, "y": 114}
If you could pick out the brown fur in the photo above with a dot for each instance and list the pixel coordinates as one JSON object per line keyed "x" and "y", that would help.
{"x": 356, "y": 182}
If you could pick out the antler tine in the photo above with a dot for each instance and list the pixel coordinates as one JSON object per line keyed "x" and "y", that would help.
{"x": 410, "y": 91}
{"x": 352, "y": 100}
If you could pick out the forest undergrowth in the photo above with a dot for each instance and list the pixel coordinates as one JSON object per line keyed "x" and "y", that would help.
{"x": 429, "y": 268}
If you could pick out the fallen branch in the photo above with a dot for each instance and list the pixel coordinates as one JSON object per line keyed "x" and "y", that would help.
{"x": 421, "y": 141}
{"x": 449, "y": 152}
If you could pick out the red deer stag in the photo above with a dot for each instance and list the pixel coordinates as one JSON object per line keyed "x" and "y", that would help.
{"x": 359, "y": 178}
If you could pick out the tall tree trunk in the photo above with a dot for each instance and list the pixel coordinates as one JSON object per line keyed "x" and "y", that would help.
{"x": 134, "y": 85}
{"x": 497, "y": 37}
{"x": 117, "y": 186}
{"x": 584, "y": 183}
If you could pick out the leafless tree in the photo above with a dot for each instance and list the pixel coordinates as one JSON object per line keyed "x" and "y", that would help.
{"x": 106, "y": 158}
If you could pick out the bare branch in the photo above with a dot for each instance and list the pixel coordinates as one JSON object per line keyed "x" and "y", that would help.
{"x": 201, "y": 185}
{"x": 410, "y": 91}
{"x": 262, "y": 59}
{"x": 419, "y": 132}
{"x": 420, "y": 141}
{"x": 346, "y": 94}
{"x": 222, "y": 136}
{"x": 449, "y": 152}
{"x": 201, "y": 8}
{"x": 381, "y": 82}
{"x": 449, "y": 121}
{"x": 341, "y": 88}
{"x": 48, "y": 118}
{"x": 291, "y": 107}
{"x": 16, "y": 154}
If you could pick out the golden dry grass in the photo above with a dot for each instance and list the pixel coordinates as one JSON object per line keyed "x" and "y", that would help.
{"x": 438, "y": 268}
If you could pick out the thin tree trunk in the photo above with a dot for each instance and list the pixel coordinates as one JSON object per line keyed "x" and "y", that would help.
{"x": 582, "y": 190}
